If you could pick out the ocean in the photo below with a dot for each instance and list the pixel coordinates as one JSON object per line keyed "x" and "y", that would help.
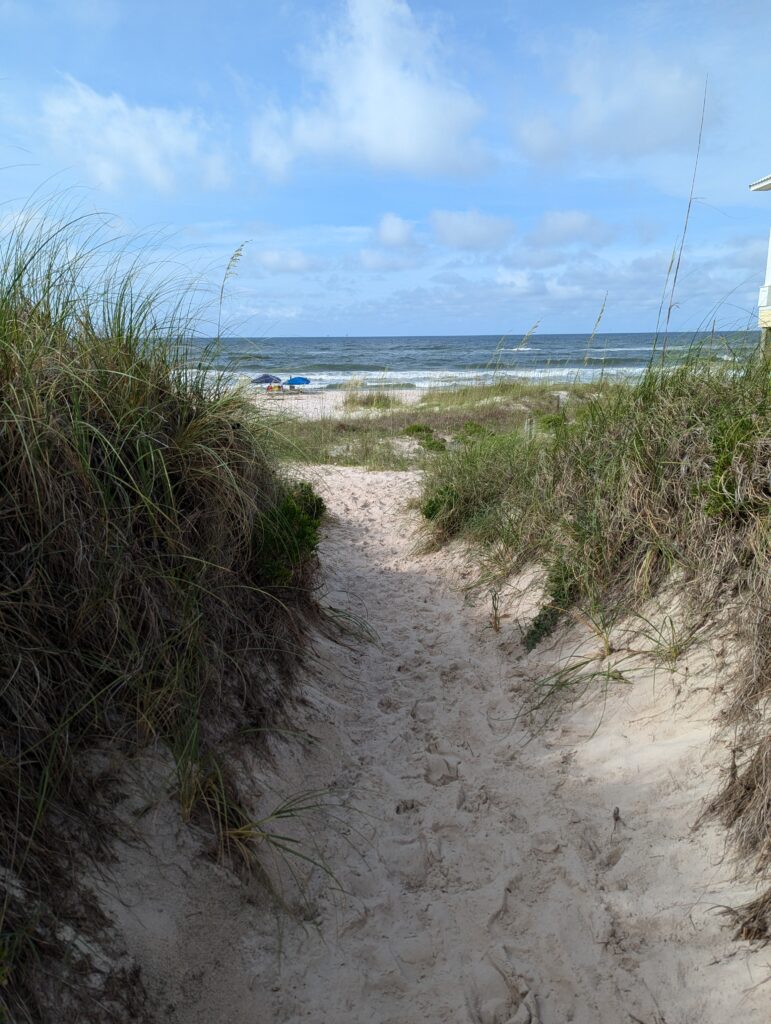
{"x": 447, "y": 361}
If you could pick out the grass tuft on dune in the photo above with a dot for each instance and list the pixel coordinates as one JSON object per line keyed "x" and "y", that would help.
{"x": 155, "y": 582}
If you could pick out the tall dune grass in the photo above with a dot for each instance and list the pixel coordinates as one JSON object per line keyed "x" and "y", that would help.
{"x": 667, "y": 478}
{"x": 155, "y": 577}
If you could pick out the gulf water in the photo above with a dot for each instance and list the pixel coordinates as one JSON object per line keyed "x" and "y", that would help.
{"x": 447, "y": 361}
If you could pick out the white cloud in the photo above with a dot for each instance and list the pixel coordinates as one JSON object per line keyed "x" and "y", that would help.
{"x": 285, "y": 261}
{"x": 380, "y": 259}
{"x": 471, "y": 229}
{"x": 618, "y": 105}
{"x": 395, "y": 231}
{"x": 504, "y": 296}
{"x": 564, "y": 227}
{"x": 113, "y": 141}
{"x": 381, "y": 96}
{"x": 518, "y": 282}
{"x": 375, "y": 259}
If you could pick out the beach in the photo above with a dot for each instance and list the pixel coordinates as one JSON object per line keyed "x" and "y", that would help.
{"x": 320, "y": 404}
{"x": 385, "y": 514}
{"x": 432, "y": 703}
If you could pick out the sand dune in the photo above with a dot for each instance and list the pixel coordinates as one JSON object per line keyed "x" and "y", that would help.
{"x": 492, "y": 873}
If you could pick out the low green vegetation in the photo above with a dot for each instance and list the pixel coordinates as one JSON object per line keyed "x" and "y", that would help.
{"x": 370, "y": 440}
{"x": 403, "y": 435}
{"x": 426, "y": 437}
{"x": 664, "y": 480}
{"x": 155, "y": 583}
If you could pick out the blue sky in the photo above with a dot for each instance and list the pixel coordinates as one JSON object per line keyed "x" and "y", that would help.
{"x": 408, "y": 166}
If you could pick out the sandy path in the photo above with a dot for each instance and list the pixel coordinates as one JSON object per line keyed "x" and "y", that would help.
{"x": 492, "y": 884}
{"x": 486, "y": 879}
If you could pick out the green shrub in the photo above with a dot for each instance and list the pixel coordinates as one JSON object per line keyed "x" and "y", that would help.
{"x": 463, "y": 488}
{"x": 287, "y": 535}
{"x": 552, "y": 421}
{"x": 418, "y": 430}
{"x": 433, "y": 444}
{"x": 425, "y": 437}
{"x": 561, "y": 591}
{"x": 440, "y": 503}
{"x": 542, "y": 626}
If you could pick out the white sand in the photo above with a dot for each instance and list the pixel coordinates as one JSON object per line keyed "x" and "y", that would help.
{"x": 314, "y": 405}
{"x": 485, "y": 878}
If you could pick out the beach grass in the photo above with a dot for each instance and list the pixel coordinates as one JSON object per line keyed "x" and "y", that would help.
{"x": 155, "y": 582}
{"x": 661, "y": 480}
{"x": 376, "y": 399}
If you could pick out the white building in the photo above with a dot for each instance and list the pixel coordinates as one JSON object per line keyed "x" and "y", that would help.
{"x": 764, "y": 302}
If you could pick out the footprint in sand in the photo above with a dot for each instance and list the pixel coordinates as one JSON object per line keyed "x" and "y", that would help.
{"x": 496, "y": 994}
{"x": 405, "y": 858}
{"x": 474, "y": 801}
{"x": 405, "y": 806}
{"x": 441, "y": 769}
{"x": 423, "y": 711}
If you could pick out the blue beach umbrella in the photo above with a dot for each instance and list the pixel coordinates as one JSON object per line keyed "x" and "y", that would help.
{"x": 267, "y": 378}
{"x": 297, "y": 380}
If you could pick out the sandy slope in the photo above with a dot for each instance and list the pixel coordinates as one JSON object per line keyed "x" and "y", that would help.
{"x": 486, "y": 878}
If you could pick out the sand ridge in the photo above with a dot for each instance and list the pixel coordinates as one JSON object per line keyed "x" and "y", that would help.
{"x": 490, "y": 875}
